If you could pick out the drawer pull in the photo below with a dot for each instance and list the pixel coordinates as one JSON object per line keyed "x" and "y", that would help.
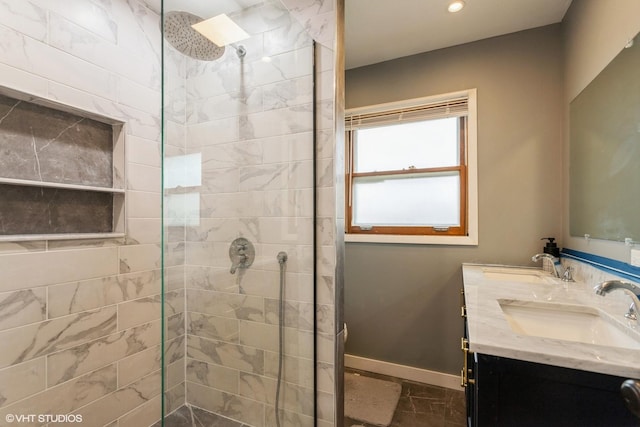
{"x": 465, "y": 378}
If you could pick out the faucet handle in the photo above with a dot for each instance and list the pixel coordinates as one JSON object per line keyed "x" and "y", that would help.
{"x": 567, "y": 276}
{"x": 632, "y": 313}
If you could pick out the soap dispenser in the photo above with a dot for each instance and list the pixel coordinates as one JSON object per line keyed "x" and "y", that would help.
{"x": 551, "y": 247}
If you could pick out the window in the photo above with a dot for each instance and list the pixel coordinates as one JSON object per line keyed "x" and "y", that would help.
{"x": 411, "y": 171}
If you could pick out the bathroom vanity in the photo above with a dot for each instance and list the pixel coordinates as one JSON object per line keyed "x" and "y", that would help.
{"x": 542, "y": 352}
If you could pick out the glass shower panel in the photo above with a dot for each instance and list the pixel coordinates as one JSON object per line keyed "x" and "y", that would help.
{"x": 238, "y": 163}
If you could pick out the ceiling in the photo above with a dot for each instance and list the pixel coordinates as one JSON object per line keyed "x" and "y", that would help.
{"x": 381, "y": 30}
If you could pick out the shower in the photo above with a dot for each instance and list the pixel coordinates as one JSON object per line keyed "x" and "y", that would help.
{"x": 240, "y": 197}
{"x": 141, "y": 319}
{"x": 184, "y": 38}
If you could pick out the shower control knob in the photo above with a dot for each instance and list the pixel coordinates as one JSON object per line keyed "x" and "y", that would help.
{"x": 241, "y": 254}
{"x": 630, "y": 391}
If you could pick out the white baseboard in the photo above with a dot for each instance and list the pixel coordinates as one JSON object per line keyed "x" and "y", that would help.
{"x": 402, "y": 371}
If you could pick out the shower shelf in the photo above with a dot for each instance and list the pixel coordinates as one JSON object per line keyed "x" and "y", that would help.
{"x": 43, "y": 142}
{"x": 47, "y": 184}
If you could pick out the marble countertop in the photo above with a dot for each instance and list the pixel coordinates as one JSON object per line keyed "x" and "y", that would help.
{"x": 490, "y": 332}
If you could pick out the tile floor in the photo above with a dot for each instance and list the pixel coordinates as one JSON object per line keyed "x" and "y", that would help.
{"x": 420, "y": 405}
{"x": 190, "y": 416}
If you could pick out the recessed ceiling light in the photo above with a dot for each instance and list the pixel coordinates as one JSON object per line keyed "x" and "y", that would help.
{"x": 221, "y": 30}
{"x": 455, "y": 6}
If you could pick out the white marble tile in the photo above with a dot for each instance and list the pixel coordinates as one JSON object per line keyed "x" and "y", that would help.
{"x": 80, "y": 296}
{"x": 217, "y": 78}
{"x": 144, "y": 415}
{"x": 288, "y": 65}
{"x": 17, "y": 272}
{"x": 143, "y": 204}
{"x": 292, "y": 397}
{"x": 288, "y": 93}
{"x": 67, "y": 397}
{"x": 262, "y": 17}
{"x": 33, "y": 56}
{"x": 174, "y": 349}
{"x": 212, "y": 132}
{"x": 175, "y": 397}
{"x": 23, "y": 81}
{"x": 20, "y": 308}
{"x": 297, "y": 315}
{"x": 296, "y": 370}
{"x": 75, "y": 40}
{"x": 316, "y": 16}
{"x": 232, "y": 406}
{"x": 247, "y": 359}
{"x": 139, "y": 258}
{"x": 22, "y": 380}
{"x": 286, "y": 231}
{"x": 282, "y": 121}
{"x": 139, "y": 311}
{"x": 326, "y": 406}
{"x": 211, "y": 375}
{"x": 67, "y": 364}
{"x": 31, "y": 341}
{"x": 221, "y": 230}
{"x": 136, "y": 366}
{"x": 287, "y": 148}
{"x": 286, "y": 38}
{"x": 88, "y": 15}
{"x": 213, "y": 327}
{"x": 144, "y": 178}
{"x": 175, "y": 373}
{"x": 231, "y": 205}
{"x": 122, "y": 401}
{"x": 143, "y": 151}
{"x": 220, "y": 180}
{"x": 223, "y": 304}
{"x": 211, "y": 254}
{"x": 138, "y": 96}
{"x": 175, "y": 325}
{"x": 144, "y": 231}
{"x": 225, "y": 105}
{"x": 259, "y": 335}
{"x": 211, "y": 278}
{"x": 24, "y": 16}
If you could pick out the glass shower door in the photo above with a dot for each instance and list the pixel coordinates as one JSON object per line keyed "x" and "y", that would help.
{"x": 238, "y": 250}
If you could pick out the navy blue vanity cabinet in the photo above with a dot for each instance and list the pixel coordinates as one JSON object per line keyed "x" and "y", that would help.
{"x": 516, "y": 393}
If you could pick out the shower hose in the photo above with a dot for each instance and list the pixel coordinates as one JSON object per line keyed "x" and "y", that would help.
{"x": 282, "y": 259}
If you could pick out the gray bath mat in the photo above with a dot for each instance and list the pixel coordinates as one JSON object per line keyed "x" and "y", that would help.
{"x": 370, "y": 400}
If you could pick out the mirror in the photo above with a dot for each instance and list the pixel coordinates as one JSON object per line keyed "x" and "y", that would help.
{"x": 604, "y": 168}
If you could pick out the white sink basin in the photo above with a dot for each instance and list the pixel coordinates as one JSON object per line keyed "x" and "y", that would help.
{"x": 514, "y": 274}
{"x": 567, "y": 322}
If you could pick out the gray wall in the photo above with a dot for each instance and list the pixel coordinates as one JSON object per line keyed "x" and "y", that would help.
{"x": 402, "y": 301}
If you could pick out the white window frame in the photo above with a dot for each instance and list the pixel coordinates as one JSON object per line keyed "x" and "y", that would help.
{"x": 471, "y": 239}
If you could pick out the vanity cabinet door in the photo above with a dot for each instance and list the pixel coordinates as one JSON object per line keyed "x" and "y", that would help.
{"x": 517, "y": 393}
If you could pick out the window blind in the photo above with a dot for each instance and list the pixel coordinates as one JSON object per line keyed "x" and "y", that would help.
{"x": 450, "y": 108}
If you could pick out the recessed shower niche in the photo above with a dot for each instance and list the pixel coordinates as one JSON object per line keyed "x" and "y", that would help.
{"x": 61, "y": 172}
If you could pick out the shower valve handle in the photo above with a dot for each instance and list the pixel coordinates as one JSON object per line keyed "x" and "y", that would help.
{"x": 241, "y": 253}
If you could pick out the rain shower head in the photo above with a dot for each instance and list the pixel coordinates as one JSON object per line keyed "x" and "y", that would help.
{"x": 180, "y": 34}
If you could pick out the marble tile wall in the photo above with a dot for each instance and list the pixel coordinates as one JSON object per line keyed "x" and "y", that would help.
{"x": 80, "y": 320}
{"x": 250, "y": 123}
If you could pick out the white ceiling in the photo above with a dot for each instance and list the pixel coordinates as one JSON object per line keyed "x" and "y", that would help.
{"x": 380, "y": 30}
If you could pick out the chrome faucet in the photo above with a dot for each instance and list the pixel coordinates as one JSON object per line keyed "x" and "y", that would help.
{"x": 554, "y": 260}
{"x": 633, "y": 290}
